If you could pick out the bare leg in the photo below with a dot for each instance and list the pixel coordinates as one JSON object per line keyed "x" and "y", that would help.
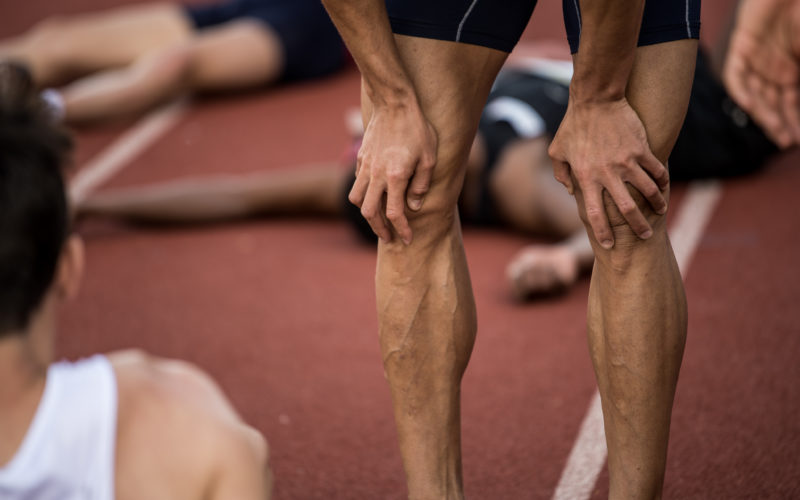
{"x": 300, "y": 191}
{"x": 236, "y": 55}
{"x": 529, "y": 199}
{"x": 425, "y": 305}
{"x": 62, "y": 48}
{"x": 637, "y": 306}
{"x": 527, "y": 196}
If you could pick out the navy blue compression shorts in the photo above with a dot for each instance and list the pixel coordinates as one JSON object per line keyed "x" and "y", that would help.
{"x": 662, "y": 21}
{"x": 498, "y": 24}
{"x": 312, "y": 46}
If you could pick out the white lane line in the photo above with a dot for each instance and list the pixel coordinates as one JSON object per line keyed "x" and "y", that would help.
{"x": 586, "y": 458}
{"x": 691, "y": 221}
{"x": 119, "y": 153}
{"x": 589, "y": 452}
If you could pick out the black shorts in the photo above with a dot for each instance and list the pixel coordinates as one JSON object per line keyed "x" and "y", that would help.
{"x": 311, "y": 44}
{"x": 498, "y": 24}
{"x": 662, "y": 21}
{"x": 718, "y": 139}
{"x": 520, "y": 106}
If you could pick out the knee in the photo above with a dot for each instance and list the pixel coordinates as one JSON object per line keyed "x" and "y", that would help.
{"x": 436, "y": 217}
{"x": 172, "y": 64}
{"x": 48, "y": 27}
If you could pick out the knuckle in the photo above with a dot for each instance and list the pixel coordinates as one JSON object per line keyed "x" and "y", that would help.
{"x": 593, "y": 212}
{"x": 354, "y": 199}
{"x": 396, "y": 174}
{"x": 628, "y": 208}
{"x": 394, "y": 215}
{"x": 651, "y": 191}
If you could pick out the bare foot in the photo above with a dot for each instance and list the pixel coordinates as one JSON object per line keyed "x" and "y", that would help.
{"x": 542, "y": 270}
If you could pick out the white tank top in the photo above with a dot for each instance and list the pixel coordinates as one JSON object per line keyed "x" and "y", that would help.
{"x": 68, "y": 451}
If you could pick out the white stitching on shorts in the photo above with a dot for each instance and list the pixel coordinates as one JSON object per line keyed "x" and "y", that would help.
{"x": 688, "y": 26}
{"x": 464, "y": 19}
{"x": 578, "y": 13}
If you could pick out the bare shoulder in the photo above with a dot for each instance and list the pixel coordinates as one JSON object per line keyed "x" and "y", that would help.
{"x": 179, "y": 437}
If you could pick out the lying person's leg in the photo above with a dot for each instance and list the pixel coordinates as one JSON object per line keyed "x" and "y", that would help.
{"x": 237, "y": 55}
{"x": 62, "y": 48}
{"x": 527, "y": 198}
{"x": 545, "y": 269}
{"x": 306, "y": 190}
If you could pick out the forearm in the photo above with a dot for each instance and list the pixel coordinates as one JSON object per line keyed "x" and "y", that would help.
{"x": 604, "y": 60}
{"x": 364, "y": 27}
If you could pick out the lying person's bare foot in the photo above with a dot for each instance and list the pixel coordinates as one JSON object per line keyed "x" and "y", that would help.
{"x": 539, "y": 270}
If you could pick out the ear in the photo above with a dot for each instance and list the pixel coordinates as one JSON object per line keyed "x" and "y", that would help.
{"x": 70, "y": 268}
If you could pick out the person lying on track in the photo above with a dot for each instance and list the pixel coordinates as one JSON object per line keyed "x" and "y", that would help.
{"x": 509, "y": 181}
{"x": 124, "y": 425}
{"x": 126, "y": 60}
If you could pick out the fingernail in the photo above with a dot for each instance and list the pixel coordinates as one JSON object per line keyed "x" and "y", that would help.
{"x": 662, "y": 210}
{"x": 607, "y": 244}
{"x": 407, "y": 241}
{"x": 647, "y": 234}
{"x": 415, "y": 204}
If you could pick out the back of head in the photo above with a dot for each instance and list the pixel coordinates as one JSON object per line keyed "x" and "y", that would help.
{"x": 34, "y": 218}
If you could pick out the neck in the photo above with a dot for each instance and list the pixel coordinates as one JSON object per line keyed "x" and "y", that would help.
{"x": 24, "y": 358}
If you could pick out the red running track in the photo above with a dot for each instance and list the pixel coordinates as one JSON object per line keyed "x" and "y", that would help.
{"x": 281, "y": 313}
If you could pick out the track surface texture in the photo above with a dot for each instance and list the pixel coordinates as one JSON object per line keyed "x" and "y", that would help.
{"x": 281, "y": 312}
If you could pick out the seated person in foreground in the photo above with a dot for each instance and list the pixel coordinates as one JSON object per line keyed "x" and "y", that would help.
{"x": 125, "y": 425}
{"x": 125, "y": 60}
{"x": 509, "y": 181}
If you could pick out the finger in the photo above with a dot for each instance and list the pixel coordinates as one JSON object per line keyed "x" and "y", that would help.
{"x": 359, "y": 189}
{"x": 420, "y": 184}
{"x": 396, "y": 211}
{"x": 644, "y": 184}
{"x": 734, "y": 77}
{"x": 372, "y": 211}
{"x": 767, "y": 115}
{"x": 561, "y": 173}
{"x": 359, "y": 158}
{"x": 629, "y": 210}
{"x": 598, "y": 220}
{"x": 790, "y": 104}
{"x": 657, "y": 171}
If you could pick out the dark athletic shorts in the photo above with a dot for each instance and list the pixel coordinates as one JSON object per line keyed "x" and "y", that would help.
{"x": 498, "y": 24}
{"x": 521, "y": 105}
{"x": 663, "y": 21}
{"x": 310, "y": 41}
{"x": 718, "y": 139}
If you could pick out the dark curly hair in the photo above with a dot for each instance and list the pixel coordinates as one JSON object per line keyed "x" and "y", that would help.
{"x": 34, "y": 217}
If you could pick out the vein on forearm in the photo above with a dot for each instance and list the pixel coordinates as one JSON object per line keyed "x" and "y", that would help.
{"x": 610, "y": 29}
{"x": 364, "y": 27}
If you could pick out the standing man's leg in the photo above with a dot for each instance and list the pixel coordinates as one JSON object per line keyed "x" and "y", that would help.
{"x": 637, "y": 305}
{"x": 425, "y": 305}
